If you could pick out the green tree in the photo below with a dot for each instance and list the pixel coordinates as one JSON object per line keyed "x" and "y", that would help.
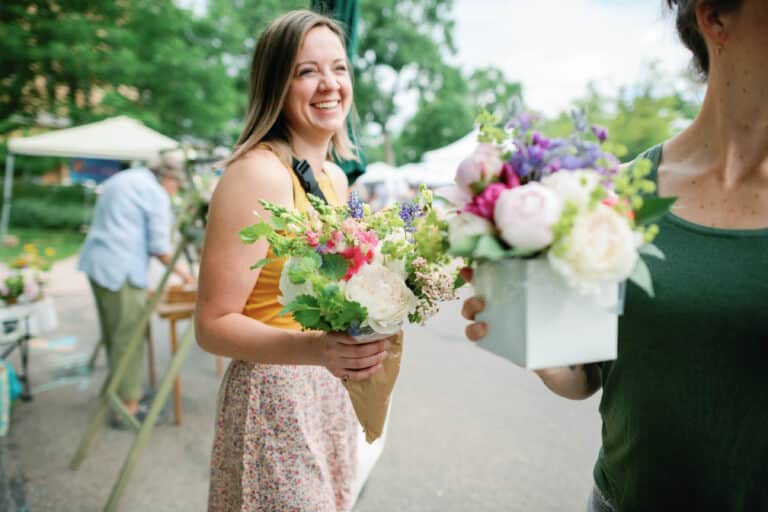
{"x": 401, "y": 50}
{"x": 637, "y": 117}
{"x": 84, "y": 61}
{"x": 491, "y": 90}
{"x": 239, "y": 23}
{"x": 447, "y": 113}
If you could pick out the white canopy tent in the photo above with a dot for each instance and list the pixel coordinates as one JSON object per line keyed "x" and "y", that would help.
{"x": 378, "y": 172}
{"x": 438, "y": 167}
{"x": 117, "y": 138}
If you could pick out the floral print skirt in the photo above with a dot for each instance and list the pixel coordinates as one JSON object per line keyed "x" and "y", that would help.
{"x": 285, "y": 441}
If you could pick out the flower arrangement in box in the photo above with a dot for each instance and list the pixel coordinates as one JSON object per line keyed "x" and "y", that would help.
{"x": 528, "y": 205}
{"x": 347, "y": 269}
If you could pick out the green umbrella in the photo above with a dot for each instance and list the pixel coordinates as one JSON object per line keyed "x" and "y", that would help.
{"x": 346, "y": 12}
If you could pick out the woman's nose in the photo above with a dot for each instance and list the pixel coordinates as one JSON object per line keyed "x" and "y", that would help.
{"x": 329, "y": 82}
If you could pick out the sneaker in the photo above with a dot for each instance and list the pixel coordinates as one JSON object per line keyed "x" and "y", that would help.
{"x": 117, "y": 422}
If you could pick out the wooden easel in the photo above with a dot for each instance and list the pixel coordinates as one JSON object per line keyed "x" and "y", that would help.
{"x": 191, "y": 227}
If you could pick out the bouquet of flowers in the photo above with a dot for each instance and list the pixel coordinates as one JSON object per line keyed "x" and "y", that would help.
{"x": 347, "y": 269}
{"x": 18, "y": 285}
{"x": 555, "y": 218}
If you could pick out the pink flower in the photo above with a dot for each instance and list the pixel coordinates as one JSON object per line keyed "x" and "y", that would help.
{"x": 335, "y": 240}
{"x": 357, "y": 258}
{"x": 349, "y": 227}
{"x": 612, "y": 200}
{"x": 525, "y": 216}
{"x": 481, "y": 167}
{"x": 368, "y": 238}
{"x": 483, "y": 204}
{"x": 509, "y": 176}
{"x": 456, "y": 196}
{"x": 313, "y": 238}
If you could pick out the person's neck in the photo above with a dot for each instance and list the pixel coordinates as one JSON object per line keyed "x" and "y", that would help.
{"x": 731, "y": 131}
{"x": 313, "y": 151}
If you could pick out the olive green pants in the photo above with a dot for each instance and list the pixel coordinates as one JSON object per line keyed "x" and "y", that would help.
{"x": 119, "y": 313}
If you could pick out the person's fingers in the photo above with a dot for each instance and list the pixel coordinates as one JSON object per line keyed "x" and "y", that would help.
{"x": 472, "y": 306}
{"x": 357, "y": 376}
{"x": 466, "y": 274}
{"x": 363, "y": 349}
{"x": 476, "y": 331}
{"x": 362, "y": 363}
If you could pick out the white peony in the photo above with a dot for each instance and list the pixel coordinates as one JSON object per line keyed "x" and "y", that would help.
{"x": 384, "y": 294}
{"x": 573, "y": 186}
{"x": 289, "y": 290}
{"x": 525, "y": 215}
{"x": 601, "y": 248}
{"x": 464, "y": 226}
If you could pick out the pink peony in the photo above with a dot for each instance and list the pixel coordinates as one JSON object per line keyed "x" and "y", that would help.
{"x": 484, "y": 203}
{"x": 482, "y": 166}
{"x": 525, "y": 216}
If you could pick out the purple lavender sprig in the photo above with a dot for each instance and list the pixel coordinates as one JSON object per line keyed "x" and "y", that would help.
{"x": 355, "y": 206}
{"x": 409, "y": 210}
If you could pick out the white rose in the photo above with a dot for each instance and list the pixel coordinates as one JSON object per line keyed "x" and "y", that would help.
{"x": 573, "y": 186}
{"x": 289, "y": 290}
{"x": 601, "y": 248}
{"x": 384, "y": 294}
{"x": 465, "y": 226}
{"x": 525, "y": 215}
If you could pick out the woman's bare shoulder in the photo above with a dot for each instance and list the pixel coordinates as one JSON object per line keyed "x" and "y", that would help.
{"x": 338, "y": 178}
{"x": 258, "y": 172}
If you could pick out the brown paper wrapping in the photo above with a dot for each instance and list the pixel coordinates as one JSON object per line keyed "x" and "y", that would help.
{"x": 370, "y": 397}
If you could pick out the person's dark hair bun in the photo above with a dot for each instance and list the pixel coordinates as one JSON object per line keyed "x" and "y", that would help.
{"x": 688, "y": 27}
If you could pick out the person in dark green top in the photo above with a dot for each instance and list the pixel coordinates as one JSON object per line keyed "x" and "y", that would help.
{"x": 685, "y": 404}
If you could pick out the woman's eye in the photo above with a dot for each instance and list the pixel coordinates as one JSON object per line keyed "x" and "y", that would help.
{"x": 341, "y": 67}
{"x": 305, "y": 71}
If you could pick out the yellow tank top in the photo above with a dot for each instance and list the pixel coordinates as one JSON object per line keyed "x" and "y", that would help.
{"x": 262, "y": 304}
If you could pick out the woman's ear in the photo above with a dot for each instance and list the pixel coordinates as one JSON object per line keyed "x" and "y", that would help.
{"x": 711, "y": 24}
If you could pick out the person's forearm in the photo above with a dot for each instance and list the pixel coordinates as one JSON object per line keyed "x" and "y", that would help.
{"x": 239, "y": 337}
{"x": 574, "y": 382}
{"x": 165, "y": 259}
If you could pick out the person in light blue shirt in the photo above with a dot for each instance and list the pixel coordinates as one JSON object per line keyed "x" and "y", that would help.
{"x": 131, "y": 224}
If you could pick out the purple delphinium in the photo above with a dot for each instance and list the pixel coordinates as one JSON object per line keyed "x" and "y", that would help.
{"x": 355, "y": 206}
{"x": 601, "y": 132}
{"x": 535, "y": 155}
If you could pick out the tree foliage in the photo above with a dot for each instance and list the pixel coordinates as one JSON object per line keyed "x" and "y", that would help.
{"x": 401, "y": 51}
{"x": 84, "y": 61}
{"x": 637, "y": 117}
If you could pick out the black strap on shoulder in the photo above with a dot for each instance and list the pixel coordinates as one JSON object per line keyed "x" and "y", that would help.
{"x": 307, "y": 179}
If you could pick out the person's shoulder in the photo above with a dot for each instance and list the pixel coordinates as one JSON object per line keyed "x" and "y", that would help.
{"x": 258, "y": 172}
{"x": 258, "y": 164}
{"x": 337, "y": 177}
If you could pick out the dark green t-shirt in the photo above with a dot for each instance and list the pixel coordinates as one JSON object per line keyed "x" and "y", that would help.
{"x": 685, "y": 404}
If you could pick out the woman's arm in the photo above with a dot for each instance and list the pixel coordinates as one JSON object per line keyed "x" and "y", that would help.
{"x": 226, "y": 281}
{"x": 574, "y": 382}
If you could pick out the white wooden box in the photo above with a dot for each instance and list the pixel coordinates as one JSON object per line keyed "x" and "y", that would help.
{"x": 537, "y": 321}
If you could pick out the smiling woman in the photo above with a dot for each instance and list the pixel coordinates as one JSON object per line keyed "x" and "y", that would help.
{"x": 286, "y": 432}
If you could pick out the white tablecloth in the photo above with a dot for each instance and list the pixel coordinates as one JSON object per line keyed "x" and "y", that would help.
{"x": 40, "y": 318}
